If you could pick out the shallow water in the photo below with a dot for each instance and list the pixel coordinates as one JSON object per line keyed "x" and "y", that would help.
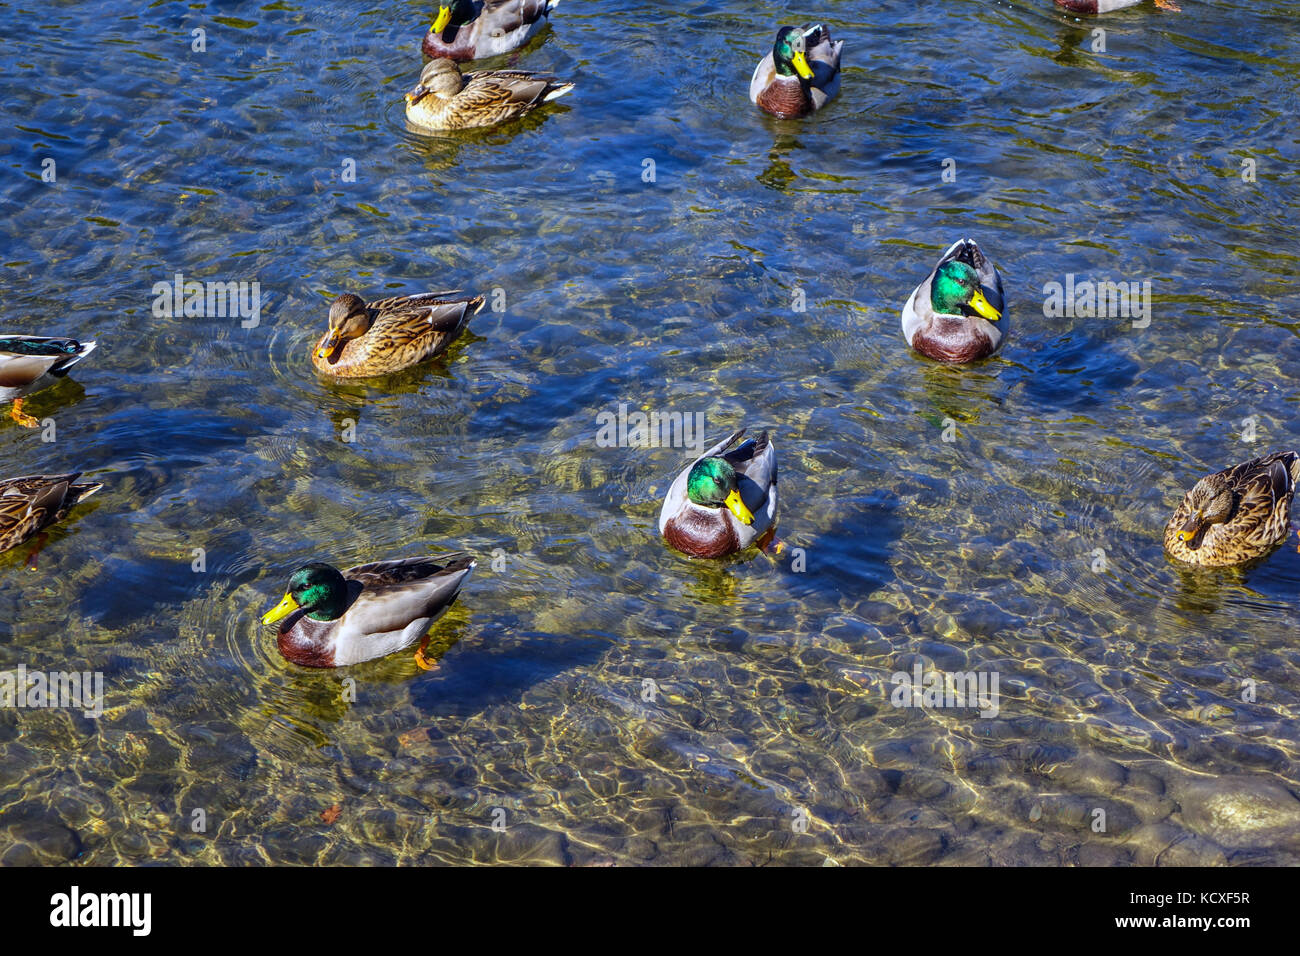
{"x": 768, "y": 735}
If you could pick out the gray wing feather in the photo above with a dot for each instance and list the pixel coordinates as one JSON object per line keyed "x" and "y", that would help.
{"x": 396, "y": 592}
{"x": 763, "y": 75}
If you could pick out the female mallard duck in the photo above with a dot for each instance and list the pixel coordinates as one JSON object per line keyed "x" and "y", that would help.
{"x": 31, "y": 504}
{"x": 800, "y": 75}
{"x": 446, "y": 99}
{"x": 722, "y": 503}
{"x": 366, "y": 339}
{"x": 334, "y": 618}
{"x": 473, "y": 29}
{"x": 1235, "y": 515}
{"x": 950, "y": 315}
{"x": 1105, "y": 6}
{"x": 31, "y": 362}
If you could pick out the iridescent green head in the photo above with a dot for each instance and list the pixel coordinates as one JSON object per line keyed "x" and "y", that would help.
{"x": 712, "y": 483}
{"x": 789, "y": 54}
{"x": 452, "y": 13}
{"x": 956, "y": 290}
{"x": 316, "y": 588}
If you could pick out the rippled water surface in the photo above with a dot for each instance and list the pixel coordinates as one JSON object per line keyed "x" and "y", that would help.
{"x": 1146, "y": 714}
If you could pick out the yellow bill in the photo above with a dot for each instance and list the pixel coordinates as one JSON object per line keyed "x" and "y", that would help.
{"x": 737, "y": 507}
{"x": 801, "y": 66}
{"x": 983, "y": 306}
{"x": 1188, "y": 531}
{"x": 442, "y": 19}
{"x": 282, "y": 610}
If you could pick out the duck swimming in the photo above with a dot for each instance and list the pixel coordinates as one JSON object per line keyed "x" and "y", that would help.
{"x": 953, "y": 316}
{"x": 444, "y": 99}
{"x": 377, "y": 338}
{"x": 800, "y": 75}
{"x": 29, "y": 363}
{"x": 724, "y": 501}
{"x": 1236, "y": 515}
{"x": 474, "y": 29}
{"x": 334, "y": 618}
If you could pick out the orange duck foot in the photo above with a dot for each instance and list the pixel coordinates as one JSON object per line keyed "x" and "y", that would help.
{"x": 421, "y": 660}
{"x": 16, "y": 413}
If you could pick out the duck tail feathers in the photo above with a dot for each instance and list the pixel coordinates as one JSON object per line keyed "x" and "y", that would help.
{"x": 560, "y": 89}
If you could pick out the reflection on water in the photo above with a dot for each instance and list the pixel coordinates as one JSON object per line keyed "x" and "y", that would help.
{"x": 607, "y": 700}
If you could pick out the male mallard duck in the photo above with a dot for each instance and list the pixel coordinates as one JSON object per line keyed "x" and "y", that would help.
{"x": 446, "y": 99}
{"x": 1235, "y": 515}
{"x": 950, "y": 315}
{"x": 722, "y": 503}
{"x": 473, "y": 29}
{"x": 1105, "y": 6}
{"x": 30, "y": 362}
{"x": 377, "y": 338}
{"x": 800, "y": 75}
{"x": 31, "y": 504}
{"x": 334, "y": 618}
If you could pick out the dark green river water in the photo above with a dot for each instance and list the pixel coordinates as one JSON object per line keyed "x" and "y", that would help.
{"x": 601, "y": 699}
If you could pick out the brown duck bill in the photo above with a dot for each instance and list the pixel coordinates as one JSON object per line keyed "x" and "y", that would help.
{"x": 415, "y": 95}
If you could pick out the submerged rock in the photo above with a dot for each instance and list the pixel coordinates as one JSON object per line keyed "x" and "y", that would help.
{"x": 1240, "y": 811}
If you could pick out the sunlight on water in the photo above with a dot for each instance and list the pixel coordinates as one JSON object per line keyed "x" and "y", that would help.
{"x": 599, "y": 699}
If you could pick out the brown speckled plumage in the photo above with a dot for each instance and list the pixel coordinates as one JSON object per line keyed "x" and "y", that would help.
{"x": 1256, "y": 500}
{"x": 445, "y": 99}
{"x": 32, "y": 503}
{"x": 403, "y": 331}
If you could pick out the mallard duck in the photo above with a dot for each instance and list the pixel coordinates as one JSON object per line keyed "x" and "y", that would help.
{"x": 950, "y": 316}
{"x": 446, "y": 99}
{"x": 1235, "y": 515}
{"x": 1105, "y": 6}
{"x": 31, "y": 504}
{"x": 333, "y": 618}
{"x": 800, "y": 75}
{"x": 473, "y": 29}
{"x": 722, "y": 503}
{"x": 376, "y": 338}
{"x": 31, "y": 362}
